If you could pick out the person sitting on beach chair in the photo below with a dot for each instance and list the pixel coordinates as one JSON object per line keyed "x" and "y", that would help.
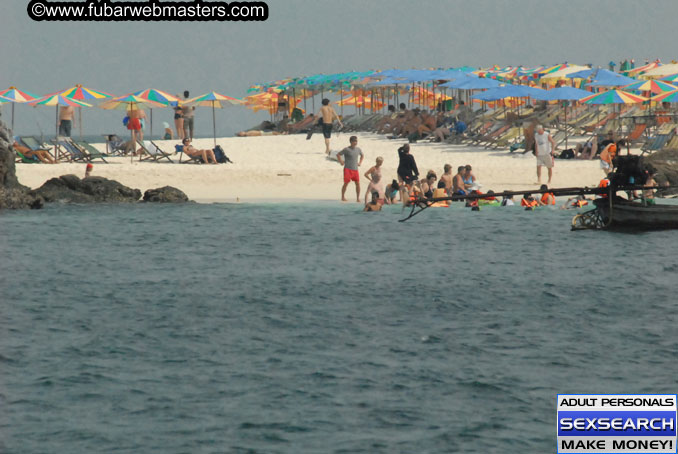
{"x": 42, "y": 155}
{"x": 206, "y": 155}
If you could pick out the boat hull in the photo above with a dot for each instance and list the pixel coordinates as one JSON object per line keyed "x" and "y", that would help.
{"x": 636, "y": 216}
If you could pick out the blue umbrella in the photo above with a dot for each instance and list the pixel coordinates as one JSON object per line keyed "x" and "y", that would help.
{"x": 606, "y": 78}
{"x": 584, "y": 74}
{"x": 565, "y": 94}
{"x": 472, "y": 83}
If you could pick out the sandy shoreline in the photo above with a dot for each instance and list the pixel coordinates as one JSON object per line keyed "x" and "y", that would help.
{"x": 290, "y": 168}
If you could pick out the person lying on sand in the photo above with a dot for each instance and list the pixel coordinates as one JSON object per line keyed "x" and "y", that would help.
{"x": 193, "y": 152}
{"x": 256, "y": 133}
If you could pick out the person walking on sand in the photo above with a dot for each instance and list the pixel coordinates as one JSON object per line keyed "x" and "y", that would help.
{"x": 328, "y": 115}
{"x": 66, "y": 116}
{"x": 544, "y": 145}
{"x": 351, "y": 164}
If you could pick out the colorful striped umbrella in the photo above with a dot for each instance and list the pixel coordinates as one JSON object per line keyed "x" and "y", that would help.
{"x": 671, "y": 78}
{"x": 129, "y": 102}
{"x": 158, "y": 96}
{"x": 14, "y": 95}
{"x": 655, "y": 86}
{"x": 671, "y": 96}
{"x": 57, "y": 100}
{"x": 155, "y": 95}
{"x": 214, "y": 100}
{"x": 84, "y": 94}
{"x": 613, "y": 97}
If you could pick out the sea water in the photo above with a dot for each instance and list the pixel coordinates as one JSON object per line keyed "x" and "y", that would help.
{"x": 312, "y": 328}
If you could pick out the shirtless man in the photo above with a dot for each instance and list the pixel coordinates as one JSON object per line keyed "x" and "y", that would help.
{"x": 458, "y": 187}
{"x": 328, "y": 114}
{"x": 66, "y": 117}
{"x": 447, "y": 178}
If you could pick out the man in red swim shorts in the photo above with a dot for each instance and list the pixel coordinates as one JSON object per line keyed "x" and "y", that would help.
{"x": 348, "y": 157}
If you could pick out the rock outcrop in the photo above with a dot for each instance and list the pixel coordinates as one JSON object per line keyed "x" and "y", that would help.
{"x": 166, "y": 194}
{"x": 72, "y": 189}
{"x": 12, "y": 194}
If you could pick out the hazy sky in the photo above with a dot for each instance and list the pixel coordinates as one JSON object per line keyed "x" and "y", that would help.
{"x": 304, "y": 37}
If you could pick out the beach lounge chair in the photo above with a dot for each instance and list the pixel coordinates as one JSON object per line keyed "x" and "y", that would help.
{"x": 506, "y": 139}
{"x": 20, "y": 157}
{"x": 191, "y": 159}
{"x": 32, "y": 144}
{"x": 68, "y": 151}
{"x": 90, "y": 150}
{"x": 655, "y": 143}
{"x": 151, "y": 151}
{"x": 636, "y": 133}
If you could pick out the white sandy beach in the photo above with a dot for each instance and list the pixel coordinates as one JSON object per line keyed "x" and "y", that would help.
{"x": 283, "y": 168}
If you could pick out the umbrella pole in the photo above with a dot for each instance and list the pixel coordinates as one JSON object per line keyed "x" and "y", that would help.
{"x": 566, "y": 126}
{"x": 341, "y": 97}
{"x": 56, "y": 130}
{"x": 151, "y": 131}
{"x": 12, "y": 118}
{"x": 80, "y": 122}
{"x": 214, "y": 125}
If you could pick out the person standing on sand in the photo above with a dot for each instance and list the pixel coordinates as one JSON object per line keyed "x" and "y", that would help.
{"x": 328, "y": 115}
{"x": 179, "y": 122}
{"x": 66, "y": 116}
{"x": 187, "y": 113}
{"x": 351, "y": 165}
{"x": 544, "y": 146}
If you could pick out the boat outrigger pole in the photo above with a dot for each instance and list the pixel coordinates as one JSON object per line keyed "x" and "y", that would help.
{"x": 422, "y": 203}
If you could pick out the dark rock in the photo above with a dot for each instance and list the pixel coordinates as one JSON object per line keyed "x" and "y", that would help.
{"x": 71, "y": 189}
{"x": 12, "y": 194}
{"x": 166, "y": 194}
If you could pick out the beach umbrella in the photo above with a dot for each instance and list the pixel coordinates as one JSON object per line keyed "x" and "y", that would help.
{"x": 613, "y": 97}
{"x": 128, "y": 102}
{"x": 655, "y": 86}
{"x": 216, "y": 101}
{"x": 157, "y": 96}
{"x": 607, "y": 78}
{"x": 84, "y": 94}
{"x": 57, "y": 100}
{"x": 562, "y": 73}
{"x": 14, "y": 95}
{"x": 671, "y": 96}
{"x": 670, "y": 78}
{"x": 472, "y": 83}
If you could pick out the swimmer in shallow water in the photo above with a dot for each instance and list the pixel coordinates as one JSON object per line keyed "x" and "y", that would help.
{"x": 374, "y": 205}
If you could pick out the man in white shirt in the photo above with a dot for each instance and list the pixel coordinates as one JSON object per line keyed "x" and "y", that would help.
{"x": 544, "y": 146}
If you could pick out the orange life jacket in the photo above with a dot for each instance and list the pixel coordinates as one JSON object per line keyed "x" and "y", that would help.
{"x": 545, "y": 198}
{"x": 581, "y": 203}
{"x": 603, "y": 184}
{"x": 528, "y": 203}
